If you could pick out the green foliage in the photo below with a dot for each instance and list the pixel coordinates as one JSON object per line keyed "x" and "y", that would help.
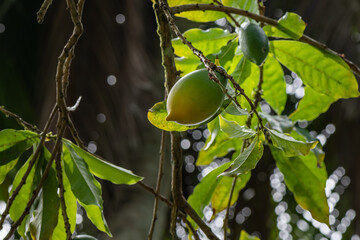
{"x": 312, "y": 105}
{"x": 220, "y": 197}
{"x": 197, "y": 16}
{"x": 246, "y": 160}
{"x": 234, "y": 130}
{"x": 203, "y": 192}
{"x": 45, "y": 220}
{"x": 251, "y": 6}
{"x": 274, "y": 86}
{"x": 306, "y": 181}
{"x": 245, "y": 236}
{"x": 322, "y": 71}
{"x": 13, "y": 143}
{"x": 103, "y": 169}
{"x": 45, "y": 215}
{"x": 297, "y": 154}
{"x": 289, "y": 145}
{"x": 85, "y": 187}
{"x": 210, "y": 41}
{"x": 289, "y": 26}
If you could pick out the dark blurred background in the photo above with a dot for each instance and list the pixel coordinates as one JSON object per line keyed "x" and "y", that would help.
{"x": 117, "y": 71}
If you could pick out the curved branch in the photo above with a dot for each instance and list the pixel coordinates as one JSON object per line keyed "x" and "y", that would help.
{"x": 263, "y": 19}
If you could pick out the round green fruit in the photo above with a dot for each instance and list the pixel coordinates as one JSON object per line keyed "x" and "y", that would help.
{"x": 195, "y": 98}
{"x": 254, "y": 43}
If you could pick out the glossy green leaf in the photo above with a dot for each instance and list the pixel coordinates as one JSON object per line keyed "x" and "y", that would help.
{"x": 218, "y": 144}
{"x": 220, "y": 197}
{"x": 311, "y": 105}
{"x": 226, "y": 54}
{"x": 245, "y": 236}
{"x": 246, "y": 160}
{"x": 306, "y": 181}
{"x": 234, "y": 130}
{"x": 14, "y": 142}
{"x": 305, "y": 136}
{"x": 208, "y": 41}
{"x": 203, "y": 192}
{"x": 274, "y": 86}
{"x": 251, "y": 6}
{"x": 85, "y": 187}
{"x": 71, "y": 209}
{"x": 281, "y": 123}
{"x": 187, "y": 65}
{"x": 242, "y": 70}
{"x": 219, "y": 149}
{"x": 233, "y": 109}
{"x": 103, "y": 169}
{"x": 289, "y": 145}
{"x": 4, "y": 169}
{"x": 157, "y": 116}
{"x": 83, "y": 184}
{"x": 96, "y": 215}
{"x": 46, "y": 214}
{"x": 322, "y": 71}
{"x": 25, "y": 192}
{"x": 214, "y": 128}
{"x": 197, "y": 16}
{"x": 289, "y": 26}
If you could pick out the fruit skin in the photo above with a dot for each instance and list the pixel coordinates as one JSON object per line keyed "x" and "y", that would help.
{"x": 254, "y": 43}
{"x": 195, "y": 98}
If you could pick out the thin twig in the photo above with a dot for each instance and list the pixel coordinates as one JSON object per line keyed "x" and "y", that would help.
{"x": 158, "y": 195}
{"x": 185, "y": 206}
{"x": 226, "y": 219}
{"x": 32, "y": 161}
{"x": 20, "y": 121}
{"x": 61, "y": 194}
{"x": 43, "y": 9}
{"x": 267, "y": 20}
{"x": 40, "y": 185}
{"x": 187, "y": 209}
{"x": 158, "y": 182}
{"x": 230, "y": 16}
{"x": 211, "y": 67}
{"x": 74, "y": 133}
{"x": 194, "y": 232}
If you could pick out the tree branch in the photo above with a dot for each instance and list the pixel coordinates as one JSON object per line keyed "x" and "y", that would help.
{"x": 267, "y": 20}
{"x": 168, "y": 62}
{"x": 158, "y": 183}
{"x": 42, "y": 11}
{"x": 202, "y": 225}
{"x": 226, "y": 219}
{"x": 19, "y": 120}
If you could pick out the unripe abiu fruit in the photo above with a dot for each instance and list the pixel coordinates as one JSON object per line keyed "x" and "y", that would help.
{"x": 254, "y": 43}
{"x": 195, "y": 98}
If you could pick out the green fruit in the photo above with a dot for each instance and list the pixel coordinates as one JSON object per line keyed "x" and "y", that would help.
{"x": 195, "y": 98}
{"x": 254, "y": 43}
